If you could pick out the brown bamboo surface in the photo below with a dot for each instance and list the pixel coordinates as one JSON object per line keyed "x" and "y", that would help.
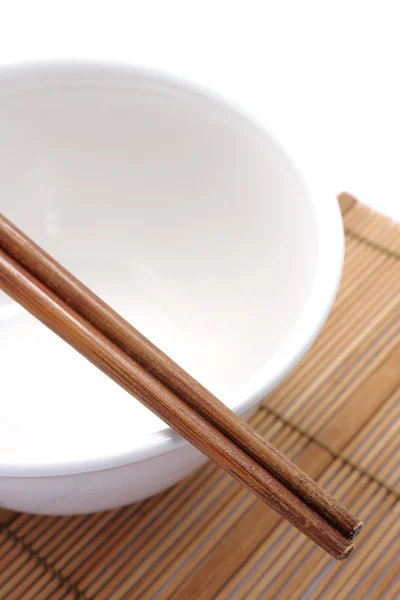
{"x": 207, "y": 538}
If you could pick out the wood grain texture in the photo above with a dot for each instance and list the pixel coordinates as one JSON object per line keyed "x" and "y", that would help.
{"x": 131, "y": 341}
{"x": 46, "y": 306}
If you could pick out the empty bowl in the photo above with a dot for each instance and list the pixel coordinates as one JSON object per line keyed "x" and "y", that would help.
{"x": 187, "y": 219}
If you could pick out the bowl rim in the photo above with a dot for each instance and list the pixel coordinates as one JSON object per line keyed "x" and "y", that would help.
{"x": 292, "y": 349}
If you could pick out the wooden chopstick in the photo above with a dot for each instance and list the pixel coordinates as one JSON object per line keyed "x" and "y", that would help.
{"x": 131, "y": 341}
{"x": 45, "y": 305}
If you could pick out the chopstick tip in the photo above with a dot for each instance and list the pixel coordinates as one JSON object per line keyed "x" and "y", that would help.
{"x": 346, "y": 553}
{"x": 357, "y": 529}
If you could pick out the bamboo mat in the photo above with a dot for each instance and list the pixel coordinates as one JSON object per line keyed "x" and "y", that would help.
{"x": 337, "y": 415}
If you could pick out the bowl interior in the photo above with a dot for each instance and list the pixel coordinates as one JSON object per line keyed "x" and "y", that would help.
{"x": 177, "y": 211}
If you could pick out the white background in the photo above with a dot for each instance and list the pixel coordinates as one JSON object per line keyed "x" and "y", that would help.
{"x": 322, "y": 76}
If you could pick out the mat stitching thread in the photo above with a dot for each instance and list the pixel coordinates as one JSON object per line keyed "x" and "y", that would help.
{"x": 332, "y": 452}
{"x": 367, "y": 242}
{"x": 16, "y": 540}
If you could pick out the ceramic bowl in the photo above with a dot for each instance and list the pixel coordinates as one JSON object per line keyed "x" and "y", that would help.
{"x": 185, "y": 217}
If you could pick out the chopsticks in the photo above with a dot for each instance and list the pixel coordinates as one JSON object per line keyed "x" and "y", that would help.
{"x": 60, "y": 301}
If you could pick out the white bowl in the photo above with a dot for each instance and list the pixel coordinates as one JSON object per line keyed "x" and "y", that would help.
{"x": 191, "y": 222}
